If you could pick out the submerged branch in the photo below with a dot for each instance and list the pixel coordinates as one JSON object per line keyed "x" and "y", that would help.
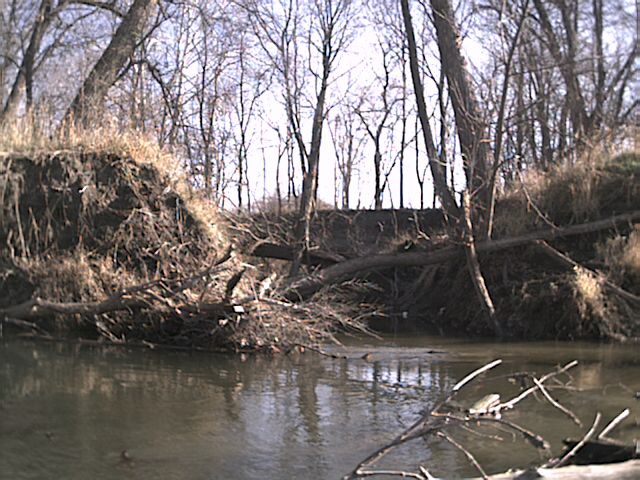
{"x": 440, "y": 420}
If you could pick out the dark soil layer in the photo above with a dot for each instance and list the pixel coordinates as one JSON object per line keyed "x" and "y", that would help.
{"x": 346, "y": 233}
{"x": 99, "y": 206}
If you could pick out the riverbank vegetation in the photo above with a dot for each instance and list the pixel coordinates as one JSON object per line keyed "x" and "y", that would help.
{"x": 106, "y": 240}
{"x": 110, "y": 242}
{"x": 562, "y": 263}
{"x": 153, "y": 236}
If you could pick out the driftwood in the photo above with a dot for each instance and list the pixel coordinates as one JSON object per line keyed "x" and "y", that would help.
{"x": 307, "y": 286}
{"x": 619, "y": 461}
{"x": 629, "y": 470}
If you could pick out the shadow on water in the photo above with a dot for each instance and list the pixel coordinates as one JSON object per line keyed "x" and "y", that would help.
{"x": 71, "y": 411}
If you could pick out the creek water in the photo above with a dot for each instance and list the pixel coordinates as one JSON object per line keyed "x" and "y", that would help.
{"x": 69, "y": 411}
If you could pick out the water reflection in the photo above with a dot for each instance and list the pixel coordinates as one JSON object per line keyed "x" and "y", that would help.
{"x": 68, "y": 411}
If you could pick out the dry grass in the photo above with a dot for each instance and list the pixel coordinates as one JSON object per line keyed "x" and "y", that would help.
{"x": 621, "y": 256}
{"x": 589, "y": 294}
{"x": 595, "y": 186}
{"x": 33, "y": 136}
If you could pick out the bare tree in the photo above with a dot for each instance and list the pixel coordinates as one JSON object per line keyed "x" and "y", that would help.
{"x": 280, "y": 37}
{"x": 468, "y": 129}
{"x": 438, "y": 171}
{"x": 375, "y": 120}
{"x": 115, "y": 57}
{"x": 24, "y": 76}
{"x": 348, "y": 141}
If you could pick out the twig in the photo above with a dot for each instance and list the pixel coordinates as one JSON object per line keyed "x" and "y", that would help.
{"x": 510, "y": 404}
{"x": 394, "y": 473}
{"x": 580, "y": 444}
{"x": 614, "y": 423}
{"x": 555, "y": 403}
{"x": 536, "y": 440}
{"x": 475, "y": 373}
{"x": 497, "y": 438}
{"x": 24, "y": 324}
{"x": 467, "y": 453}
{"x": 407, "y": 435}
{"x": 426, "y": 473}
{"x": 530, "y": 201}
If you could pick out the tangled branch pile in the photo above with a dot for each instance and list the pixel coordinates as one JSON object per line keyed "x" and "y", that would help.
{"x": 108, "y": 245}
{"x": 592, "y": 457}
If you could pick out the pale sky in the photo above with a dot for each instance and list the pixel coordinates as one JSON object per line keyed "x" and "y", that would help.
{"x": 360, "y": 60}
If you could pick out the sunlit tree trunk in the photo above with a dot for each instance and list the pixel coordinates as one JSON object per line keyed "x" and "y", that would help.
{"x": 105, "y": 72}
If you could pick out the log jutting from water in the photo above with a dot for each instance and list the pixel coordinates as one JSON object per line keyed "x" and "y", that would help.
{"x": 265, "y": 249}
{"x": 628, "y": 470}
{"x": 307, "y": 286}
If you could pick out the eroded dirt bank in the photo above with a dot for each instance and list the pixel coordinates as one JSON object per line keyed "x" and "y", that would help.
{"x": 569, "y": 268}
{"x": 109, "y": 246}
{"x": 112, "y": 247}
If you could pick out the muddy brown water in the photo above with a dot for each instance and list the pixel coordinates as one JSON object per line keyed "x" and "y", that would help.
{"x": 69, "y": 411}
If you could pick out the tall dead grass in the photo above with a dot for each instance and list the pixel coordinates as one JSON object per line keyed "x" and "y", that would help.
{"x": 621, "y": 256}
{"x": 35, "y": 136}
{"x": 596, "y": 185}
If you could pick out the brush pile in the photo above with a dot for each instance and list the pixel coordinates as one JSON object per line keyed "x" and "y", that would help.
{"x": 111, "y": 247}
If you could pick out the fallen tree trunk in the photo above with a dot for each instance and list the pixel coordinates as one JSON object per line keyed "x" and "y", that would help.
{"x": 307, "y": 286}
{"x": 286, "y": 252}
{"x": 39, "y": 308}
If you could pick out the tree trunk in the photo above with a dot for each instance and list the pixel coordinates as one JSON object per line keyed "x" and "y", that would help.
{"x": 377, "y": 162}
{"x": 310, "y": 181}
{"x": 105, "y": 72}
{"x": 482, "y": 292}
{"x": 24, "y": 76}
{"x": 437, "y": 169}
{"x": 469, "y": 122}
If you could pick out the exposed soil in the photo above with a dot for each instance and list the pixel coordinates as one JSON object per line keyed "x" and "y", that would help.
{"x": 84, "y": 228}
{"x": 536, "y": 297}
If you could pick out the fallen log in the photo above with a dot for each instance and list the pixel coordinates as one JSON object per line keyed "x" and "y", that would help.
{"x": 39, "y": 308}
{"x": 285, "y": 252}
{"x": 137, "y": 296}
{"x": 568, "y": 262}
{"x": 602, "y": 452}
{"x": 629, "y": 470}
{"x": 307, "y": 286}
